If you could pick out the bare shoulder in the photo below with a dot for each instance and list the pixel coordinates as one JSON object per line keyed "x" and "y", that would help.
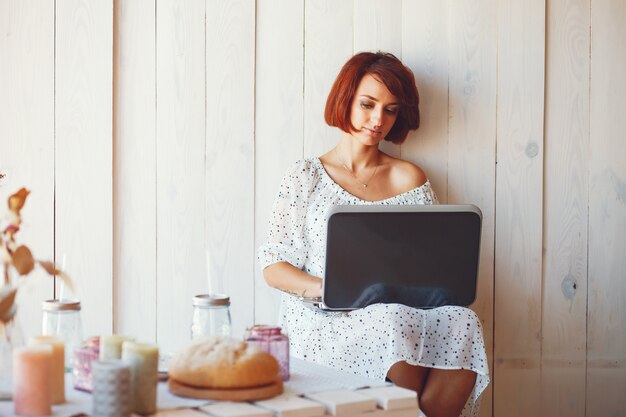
{"x": 406, "y": 175}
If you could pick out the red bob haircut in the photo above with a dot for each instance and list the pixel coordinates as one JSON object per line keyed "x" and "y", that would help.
{"x": 387, "y": 69}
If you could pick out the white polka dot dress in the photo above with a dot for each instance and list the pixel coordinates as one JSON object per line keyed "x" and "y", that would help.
{"x": 369, "y": 340}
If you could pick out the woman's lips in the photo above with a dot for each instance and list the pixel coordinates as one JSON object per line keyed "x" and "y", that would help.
{"x": 372, "y": 132}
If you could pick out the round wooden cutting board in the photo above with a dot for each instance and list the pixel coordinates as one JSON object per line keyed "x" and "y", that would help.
{"x": 242, "y": 394}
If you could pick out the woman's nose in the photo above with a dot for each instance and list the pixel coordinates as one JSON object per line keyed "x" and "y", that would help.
{"x": 377, "y": 117}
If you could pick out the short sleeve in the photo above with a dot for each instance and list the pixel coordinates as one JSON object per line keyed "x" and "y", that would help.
{"x": 429, "y": 194}
{"x": 286, "y": 240}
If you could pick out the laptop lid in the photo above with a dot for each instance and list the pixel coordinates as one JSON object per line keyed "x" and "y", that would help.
{"x": 423, "y": 256}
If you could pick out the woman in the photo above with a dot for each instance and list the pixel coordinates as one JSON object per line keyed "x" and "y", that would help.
{"x": 439, "y": 353}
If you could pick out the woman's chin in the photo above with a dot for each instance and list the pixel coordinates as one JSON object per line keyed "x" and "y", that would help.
{"x": 367, "y": 138}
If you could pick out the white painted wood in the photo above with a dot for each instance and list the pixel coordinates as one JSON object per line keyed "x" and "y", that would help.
{"x": 179, "y": 412}
{"x": 404, "y": 412}
{"x": 230, "y": 409}
{"x": 425, "y": 52}
{"x": 278, "y": 121}
{"x": 83, "y": 154}
{"x": 472, "y": 140}
{"x": 606, "y": 328}
{"x": 392, "y": 398}
{"x": 27, "y": 139}
{"x": 180, "y": 157}
{"x": 134, "y": 190}
{"x": 378, "y": 27}
{"x": 564, "y": 309}
{"x": 328, "y": 45}
{"x": 229, "y": 188}
{"x": 344, "y": 402}
{"x": 286, "y": 405}
{"x": 519, "y": 196}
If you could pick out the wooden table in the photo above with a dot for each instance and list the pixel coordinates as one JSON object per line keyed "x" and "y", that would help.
{"x": 312, "y": 391}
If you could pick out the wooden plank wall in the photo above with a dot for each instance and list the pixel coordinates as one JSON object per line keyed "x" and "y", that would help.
{"x": 519, "y": 194}
{"x": 425, "y": 51}
{"x": 154, "y": 133}
{"x": 83, "y": 168}
{"x": 27, "y": 137}
{"x": 472, "y": 141}
{"x": 278, "y": 135}
{"x": 229, "y": 154}
{"x": 134, "y": 190}
{"x": 180, "y": 162}
{"x": 606, "y": 309}
{"x": 565, "y": 216}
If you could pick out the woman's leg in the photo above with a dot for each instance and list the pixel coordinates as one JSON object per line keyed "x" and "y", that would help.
{"x": 408, "y": 376}
{"x": 446, "y": 391}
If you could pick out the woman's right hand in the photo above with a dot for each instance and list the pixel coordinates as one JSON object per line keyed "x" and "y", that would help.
{"x": 292, "y": 280}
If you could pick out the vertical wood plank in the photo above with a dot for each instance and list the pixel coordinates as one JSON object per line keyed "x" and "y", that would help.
{"x": 134, "y": 170}
{"x": 229, "y": 236}
{"x": 564, "y": 309}
{"x": 180, "y": 156}
{"x": 519, "y": 197}
{"x": 278, "y": 120}
{"x": 378, "y": 27}
{"x": 27, "y": 138}
{"x": 606, "y": 331}
{"x": 472, "y": 140}
{"x": 328, "y": 45}
{"x": 425, "y": 51}
{"x": 83, "y": 154}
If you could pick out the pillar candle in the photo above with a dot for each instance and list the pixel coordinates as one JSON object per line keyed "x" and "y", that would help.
{"x": 111, "y": 346}
{"x": 31, "y": 380}
{"x": 111, "y": 389}
{"x": 57, "y": 366}
{"x": 143, "y": 359}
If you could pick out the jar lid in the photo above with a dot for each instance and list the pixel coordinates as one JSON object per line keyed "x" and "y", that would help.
{"x": 61, "y": 305}
{"x": 264, "y": 329}
{"x": 210, "y": 300}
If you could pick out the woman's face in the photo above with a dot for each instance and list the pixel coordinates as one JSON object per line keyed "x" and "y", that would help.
{"x": 373, "y": 112}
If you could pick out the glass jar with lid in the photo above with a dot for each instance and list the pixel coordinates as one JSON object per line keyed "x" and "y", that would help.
{"x": 271, "y": 340}
{"x": 211, "y": 316}
{"x": 62, "y": 318}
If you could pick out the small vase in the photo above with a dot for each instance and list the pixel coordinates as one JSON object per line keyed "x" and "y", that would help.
{"x": 11, "y": 337}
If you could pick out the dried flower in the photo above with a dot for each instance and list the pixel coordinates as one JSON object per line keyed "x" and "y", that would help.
{"x": 18, "y": 257}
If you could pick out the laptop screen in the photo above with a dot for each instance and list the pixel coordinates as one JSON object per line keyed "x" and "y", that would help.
{"x": 421, "y": 256}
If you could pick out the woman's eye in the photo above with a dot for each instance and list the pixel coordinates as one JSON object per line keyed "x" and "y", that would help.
{"x": 391, "y": 111}
{"x": 366, "y": 105}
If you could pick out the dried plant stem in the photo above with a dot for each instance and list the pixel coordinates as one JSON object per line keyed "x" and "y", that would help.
{"x": 7, "y": 280}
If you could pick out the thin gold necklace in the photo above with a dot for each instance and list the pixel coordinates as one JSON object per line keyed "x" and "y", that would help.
{"x": 363, "y": 184}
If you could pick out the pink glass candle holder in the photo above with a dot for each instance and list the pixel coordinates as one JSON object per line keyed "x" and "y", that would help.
{"x": 271, "y": 340}
{"x": 82, "y": 359}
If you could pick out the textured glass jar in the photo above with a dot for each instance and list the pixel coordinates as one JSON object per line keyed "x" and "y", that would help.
{"x": 271, "y": 340}
{"x": 62, "y": 318}
{"x": 84, "y": 356}
{"x": 211, "y": 316}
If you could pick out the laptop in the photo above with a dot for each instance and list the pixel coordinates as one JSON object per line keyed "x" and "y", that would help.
{"x": 423, "y": 256}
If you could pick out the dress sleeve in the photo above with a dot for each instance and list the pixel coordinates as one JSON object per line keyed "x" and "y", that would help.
{"x": 286, "y": 240}
{"x": 423, "y": 195}
{"x": 430, "y": 196}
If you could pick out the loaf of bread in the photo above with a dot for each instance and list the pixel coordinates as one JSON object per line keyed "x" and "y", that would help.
{"x": 223, "y": 362}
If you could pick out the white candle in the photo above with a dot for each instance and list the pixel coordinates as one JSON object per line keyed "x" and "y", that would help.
{"x": 31, "y": 380}
{"x": 143, "y": 359}
{"x": 111, "y": 346}
{"x": 57, "y": 365}
{"x": 111, "y": 389}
